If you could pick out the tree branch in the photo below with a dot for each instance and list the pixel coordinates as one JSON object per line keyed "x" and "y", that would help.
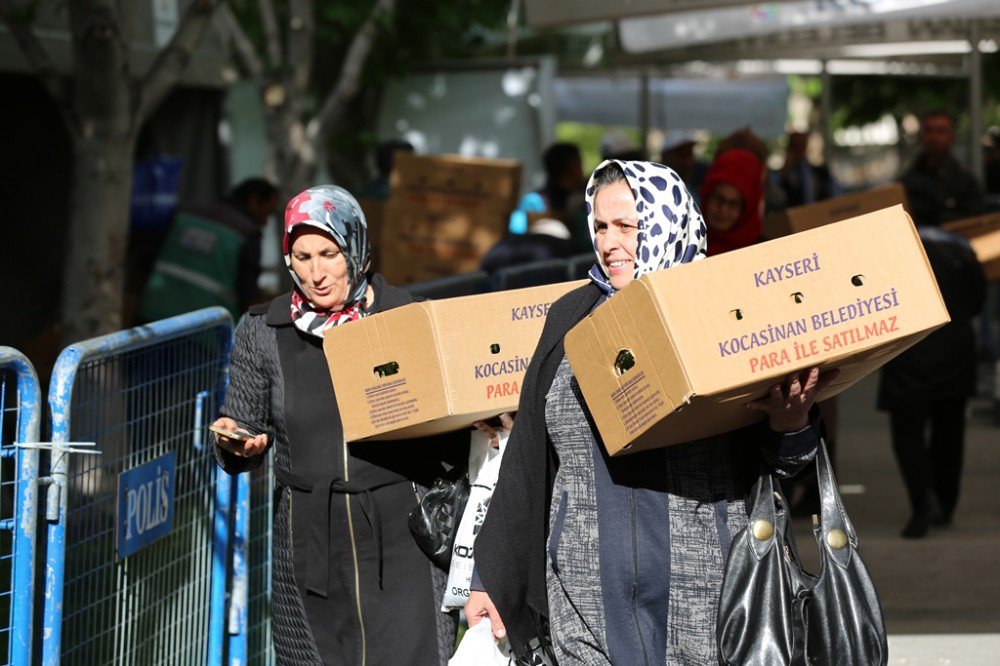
{"x": 350, "y": 72}
{"x": 173, "y": 58}
{"x": 301, "y": 28}
{"x": 271, "y": 34}
{"x": 33, "y": 51}
{"x": 242, "y": 44}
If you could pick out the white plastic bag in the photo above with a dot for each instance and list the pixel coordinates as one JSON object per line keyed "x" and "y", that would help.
{"x": 484, "y": 467}
{"x": 479, "y": 648}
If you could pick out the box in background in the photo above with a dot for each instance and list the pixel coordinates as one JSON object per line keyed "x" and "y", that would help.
{"x": 983, "y": 232}
{"x": 676, "y": 355}
{"x": 444, "y": 214}
{"x": 803, "y": 218}
{"x": 374, "y": 211}
{"x": 436, "y": 366}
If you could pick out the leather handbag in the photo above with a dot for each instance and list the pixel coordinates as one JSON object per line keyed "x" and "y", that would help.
{"x": 434, "y": 521}
{"x": 772, "y": 612}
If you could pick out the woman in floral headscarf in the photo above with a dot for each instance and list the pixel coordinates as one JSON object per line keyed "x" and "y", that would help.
{"x": 349, "y": 584}
{"x": 586, "y": 559}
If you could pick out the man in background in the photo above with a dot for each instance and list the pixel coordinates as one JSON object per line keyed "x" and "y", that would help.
{"x": 803, "y": 183}
{"x": 211, "y": 255}
{"x": 938, "y": 188}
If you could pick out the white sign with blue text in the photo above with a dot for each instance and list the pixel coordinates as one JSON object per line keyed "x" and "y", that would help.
{"x": 145, "y": 504}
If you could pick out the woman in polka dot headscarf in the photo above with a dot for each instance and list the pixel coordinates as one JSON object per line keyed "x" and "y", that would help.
{"x": 647, "y": 220}
{"x": 585, "y": 558}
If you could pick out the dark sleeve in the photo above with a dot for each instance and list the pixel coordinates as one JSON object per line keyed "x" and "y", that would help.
{"x": 248, "y": 272}
{"x": 475, "y": 584}
{"x": 248, "y": 396}
{"x": 787, "y": 453}
{"x": 973, "y": 196}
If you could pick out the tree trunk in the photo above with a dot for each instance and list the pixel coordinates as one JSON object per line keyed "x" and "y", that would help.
{"x": 97, "y": 236}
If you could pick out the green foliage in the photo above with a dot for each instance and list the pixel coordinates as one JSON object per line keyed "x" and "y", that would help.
{"x": 865, "y": 99}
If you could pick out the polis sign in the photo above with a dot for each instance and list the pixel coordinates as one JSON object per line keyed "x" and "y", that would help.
{"x": 145, "y": 504}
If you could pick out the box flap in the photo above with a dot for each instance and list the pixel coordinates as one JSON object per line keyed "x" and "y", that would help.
{"x": 803, "y": 218}
{"x": 487, "y": 342}
{"x": 395, "y": 356}
{"x": 633, "y": 378}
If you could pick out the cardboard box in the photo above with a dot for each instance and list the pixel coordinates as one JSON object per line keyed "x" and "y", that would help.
{"x": 803, "y": 218}
{"x": 677, "y": 354}
{"x": 436, "y": 366}
{"x": 444, "y": 215}
{"x": 983, "y": 233}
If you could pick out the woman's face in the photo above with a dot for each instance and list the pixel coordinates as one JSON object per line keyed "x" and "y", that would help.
{"x": 321, "y": 269}
{"x": 617, "y": 225}
{"x": 723, "y": 207}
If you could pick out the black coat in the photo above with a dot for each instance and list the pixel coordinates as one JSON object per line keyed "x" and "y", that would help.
{"x": 943, "y": 365}
{"x": 346, "y": 570}
{"x": 942, "y": 193}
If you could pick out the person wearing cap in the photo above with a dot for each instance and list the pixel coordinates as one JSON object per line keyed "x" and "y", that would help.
{"x": 349, "y": 583}
{"x": 617, "y": 145}
{"x": 677, "y": 152}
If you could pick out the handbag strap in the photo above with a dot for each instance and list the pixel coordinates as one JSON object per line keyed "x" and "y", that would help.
{"x": 832, "y": 513}
{"x": 763, "y": 518}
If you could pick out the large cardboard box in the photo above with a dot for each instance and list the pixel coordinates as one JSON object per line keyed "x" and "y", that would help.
{"x": 445, "y": 213}
{"x": 677, "y": 354}
{"x": 983, "y": 233}
{"x": 436, "y": 366}
{"x": 803, "y": 218}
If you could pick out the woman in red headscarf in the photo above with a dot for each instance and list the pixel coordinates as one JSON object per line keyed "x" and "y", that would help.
{"x": 732, "y": 197}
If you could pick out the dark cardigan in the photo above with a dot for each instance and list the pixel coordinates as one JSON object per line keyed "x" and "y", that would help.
{"x": 281, "y": 385}
{"x": 510, "y": 547}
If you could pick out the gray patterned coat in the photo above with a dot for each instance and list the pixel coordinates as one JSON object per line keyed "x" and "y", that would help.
{"x": 578, "y": 550}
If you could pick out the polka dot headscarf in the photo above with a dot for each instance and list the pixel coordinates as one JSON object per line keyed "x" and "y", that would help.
{"x": 671, "y": 229}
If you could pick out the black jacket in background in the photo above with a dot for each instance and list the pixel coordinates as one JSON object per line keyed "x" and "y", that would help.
{"x": 942, "y": 365}
{"x": 942, "y": 194}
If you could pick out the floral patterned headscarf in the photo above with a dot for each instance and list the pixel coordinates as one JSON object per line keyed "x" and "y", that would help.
{"x": 335, "y": 212}
{"x": 671, "y": 229}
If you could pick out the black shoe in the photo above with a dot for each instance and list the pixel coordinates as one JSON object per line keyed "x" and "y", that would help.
{"x": 916, "y": 528}
{"x": 941, "y": 519}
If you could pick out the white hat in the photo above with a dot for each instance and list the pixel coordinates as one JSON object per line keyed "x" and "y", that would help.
{"x": 616, "y": 141}
{"x": 676, "y": 138}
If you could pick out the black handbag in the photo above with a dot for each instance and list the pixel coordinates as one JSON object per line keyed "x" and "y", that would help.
{"x": 772, "y": 612}
{"x": 434, "y": 521}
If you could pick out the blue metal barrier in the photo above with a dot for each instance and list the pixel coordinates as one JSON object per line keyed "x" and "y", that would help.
{"x": 20, "y": 415}
{"x": 260, "y": 491}
{"x": 145, "y": 397}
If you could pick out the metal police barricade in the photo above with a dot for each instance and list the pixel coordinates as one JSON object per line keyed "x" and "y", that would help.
{"x": 138, "y": 540}
{"x": 260, "y": 510}
{"x": 20, "y": 415}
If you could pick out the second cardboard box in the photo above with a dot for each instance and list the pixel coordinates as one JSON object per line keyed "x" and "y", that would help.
{"x": 436, "y": 366}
